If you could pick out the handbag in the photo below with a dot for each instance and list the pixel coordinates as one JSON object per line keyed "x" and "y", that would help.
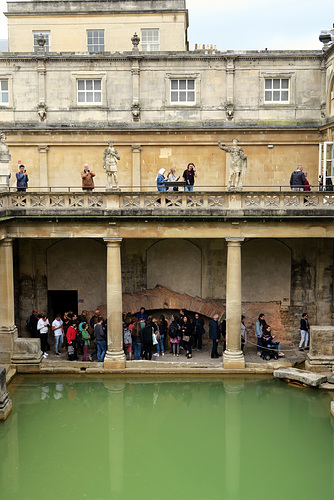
{"x": 186, "y": 338}
{"x": 154, "y": 339}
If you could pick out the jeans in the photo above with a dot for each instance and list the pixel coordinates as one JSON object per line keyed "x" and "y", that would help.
{"x": 275, "y": 343}
{"x": 85, "y": 350}
{"x": 160, "y": 344}
{"x": 58, "y": 342}
{"x": 189, "y": 188}
{"x": 259, "y": 344}
{"x": 101, "y": 349}
{"x": 137, "y": 350}
{"x": 304, "y": 339}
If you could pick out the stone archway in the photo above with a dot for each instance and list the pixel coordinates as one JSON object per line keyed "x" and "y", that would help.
{"x": 163, "y": 298}
{"x": 266, "y": 271}
{"x": 175, "y": 264}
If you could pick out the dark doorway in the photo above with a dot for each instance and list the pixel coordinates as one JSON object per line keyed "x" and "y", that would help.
{"x": 61, "y": 301}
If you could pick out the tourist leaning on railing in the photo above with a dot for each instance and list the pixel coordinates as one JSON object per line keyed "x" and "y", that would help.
{"x": 160, "y": 179}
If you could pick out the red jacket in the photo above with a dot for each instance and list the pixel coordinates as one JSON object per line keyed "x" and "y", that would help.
{"x": 71, "y": 334}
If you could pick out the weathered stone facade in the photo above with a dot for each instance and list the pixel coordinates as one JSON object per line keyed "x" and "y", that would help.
{"x": 162, "y": 108}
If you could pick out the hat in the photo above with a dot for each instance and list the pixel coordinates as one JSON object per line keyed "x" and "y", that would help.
{"x": 34, "y": 311}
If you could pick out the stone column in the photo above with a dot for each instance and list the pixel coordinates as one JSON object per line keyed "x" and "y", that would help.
{"x": 8, "y": 331}
{"x": 115, "y": 357}
{"x": 12, "y": 349}
{"x": 43, "y": 167}
{"x": 233, "y": 357}
{"x": 136, "y": 167}
{"x": 324, "y": 281}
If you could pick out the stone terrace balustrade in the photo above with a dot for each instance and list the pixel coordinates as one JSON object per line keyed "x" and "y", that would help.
{"x": 193, "y": 203}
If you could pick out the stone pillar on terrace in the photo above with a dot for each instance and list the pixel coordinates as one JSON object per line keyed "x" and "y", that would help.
{"x": 233, "y": 357}
{"x": 136, "y": 173}
{"x": 43, "y": 167}
{"x": 115, "y": 357}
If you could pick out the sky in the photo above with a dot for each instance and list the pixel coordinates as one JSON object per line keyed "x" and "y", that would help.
{"x": 250, "y": 24}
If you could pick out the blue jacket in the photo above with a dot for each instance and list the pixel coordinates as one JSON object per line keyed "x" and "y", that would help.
{"x": 21, "y": 179}
{"x": 161, "y": 183}
{"x": 214, "y": 332}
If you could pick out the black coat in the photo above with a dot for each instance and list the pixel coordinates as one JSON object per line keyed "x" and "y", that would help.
{"x": 214, "y": 332}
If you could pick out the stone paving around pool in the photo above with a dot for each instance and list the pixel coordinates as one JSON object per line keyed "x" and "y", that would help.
{"x": 200, "y": 363}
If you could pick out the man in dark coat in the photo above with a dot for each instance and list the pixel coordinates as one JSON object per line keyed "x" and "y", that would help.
{"x": 297, "y": 179}
{"x": 214, "y": 335}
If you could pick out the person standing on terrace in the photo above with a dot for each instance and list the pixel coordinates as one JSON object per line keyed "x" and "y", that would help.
{"x": 189, "y": 177}
{"x": 22, "y": 179}
{"x": 160, "y": 180}
{"x": 297, "y": 179}
{"x": 87, "y": 178}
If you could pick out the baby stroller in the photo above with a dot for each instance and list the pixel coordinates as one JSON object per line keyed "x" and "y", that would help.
{"x": 269, "y": 351}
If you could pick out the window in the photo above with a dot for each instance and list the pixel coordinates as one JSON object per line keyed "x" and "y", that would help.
{"x": 277, "y": 90}
{"x": 4, "y": 93}
{"x": 95, "y": 40}
{"x": 150, "y": 40}
{"x": 89, "y": 91}
{"x": 46, "y": 35}
{"x": 182, "y": 91}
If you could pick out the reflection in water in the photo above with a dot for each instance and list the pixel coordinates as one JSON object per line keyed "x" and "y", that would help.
{"x": 118, "y": 438}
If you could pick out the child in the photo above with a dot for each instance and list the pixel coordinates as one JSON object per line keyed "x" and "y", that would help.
{"x": 85, "y": 338}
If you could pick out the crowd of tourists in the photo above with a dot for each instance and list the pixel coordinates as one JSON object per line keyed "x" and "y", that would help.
{"x": 145, "y": 336}
{"x": 74, "y": 333}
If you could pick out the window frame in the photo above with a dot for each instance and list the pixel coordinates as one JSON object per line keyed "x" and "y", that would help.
{"x": 47, "y": 46}
{"x": 94, "y": 75}
{"x": 104, "y": 40}
{"x": 182, "y": 104}
{"x": 9, "y": 79}
{"x": 290, "y": 76}
{"x": 150, "y": 43}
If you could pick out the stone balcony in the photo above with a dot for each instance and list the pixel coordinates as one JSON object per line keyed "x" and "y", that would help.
{"x": 253, "y": 204}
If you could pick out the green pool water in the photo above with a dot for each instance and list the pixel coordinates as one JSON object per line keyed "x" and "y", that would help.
{"x": 198, "y": 439}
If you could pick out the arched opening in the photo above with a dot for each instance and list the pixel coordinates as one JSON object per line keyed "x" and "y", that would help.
{"x": 175, "y": 264}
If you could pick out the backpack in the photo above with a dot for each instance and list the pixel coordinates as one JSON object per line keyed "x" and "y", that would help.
{"x": 173, "y": 331}
{"x": 127, "y": 337}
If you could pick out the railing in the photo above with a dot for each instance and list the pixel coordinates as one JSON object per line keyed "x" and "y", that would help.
{"x": 153, "y": 188}
{"x": 126, "y": 203}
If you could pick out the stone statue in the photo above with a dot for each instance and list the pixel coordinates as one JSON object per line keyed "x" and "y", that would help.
{"x": 110, "y": 159}
{"x": 4, "y": 151}
{"x": 238, "y": 164}
{"x": 4, "y": 163}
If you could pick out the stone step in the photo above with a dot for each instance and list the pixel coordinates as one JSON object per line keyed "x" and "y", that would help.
{"x": 302, "y": 376}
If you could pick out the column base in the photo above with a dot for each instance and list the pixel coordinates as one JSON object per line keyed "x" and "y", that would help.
{"x": 5, "y": 403}
{"x": 27, "y": 351}
{"x": 5, "y": 406}
{"x": 233, "y": 360}
{"x": 114, "y": 360}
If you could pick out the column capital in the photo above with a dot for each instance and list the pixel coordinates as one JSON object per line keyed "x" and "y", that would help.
{"x": 136, "y": 147}
{"x": 7, "y": 242}
{"x": 43, "y": 149}
{"x": 113, "y": 242}
{"x": 234, "y": 241}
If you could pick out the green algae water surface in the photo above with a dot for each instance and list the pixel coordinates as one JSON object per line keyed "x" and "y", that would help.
{"x": 198, "y": 439}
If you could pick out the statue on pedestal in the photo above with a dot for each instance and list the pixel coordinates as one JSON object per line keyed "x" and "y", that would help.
{"x": 238, "y": 165}
{"x": 110, "y": 160}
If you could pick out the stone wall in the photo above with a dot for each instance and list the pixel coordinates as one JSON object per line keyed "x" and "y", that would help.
{"x": 80, "y": 264}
